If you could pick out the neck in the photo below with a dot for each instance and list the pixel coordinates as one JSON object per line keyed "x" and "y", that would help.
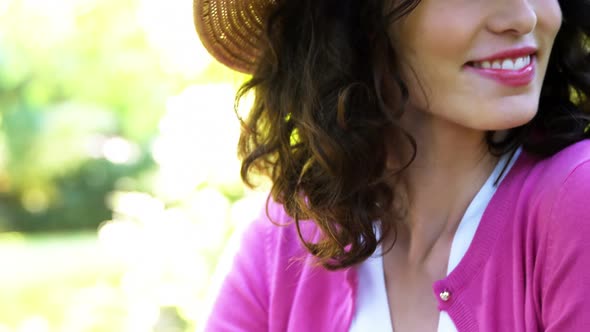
{"x": 451, "y": 165}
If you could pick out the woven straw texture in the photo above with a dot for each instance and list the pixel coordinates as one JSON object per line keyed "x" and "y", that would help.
{"x": 231, "y": 30}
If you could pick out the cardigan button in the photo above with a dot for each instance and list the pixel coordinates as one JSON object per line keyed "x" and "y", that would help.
{"x": 445, "y": 295}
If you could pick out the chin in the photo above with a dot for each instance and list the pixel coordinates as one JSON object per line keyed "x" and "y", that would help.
{"x": 496, "y": 119}
{"x": 514, "y": 113}
{"x": 509, "y": 120}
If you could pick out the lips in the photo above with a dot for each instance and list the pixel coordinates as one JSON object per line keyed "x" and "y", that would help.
{"x": 514, "y": 68}
{"x": 509, "y": 54}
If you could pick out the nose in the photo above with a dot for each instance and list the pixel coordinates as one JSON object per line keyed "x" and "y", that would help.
{"x": 516, "y": 17}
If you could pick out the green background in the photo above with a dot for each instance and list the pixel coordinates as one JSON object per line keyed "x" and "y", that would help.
{"x": 119, "y": 182}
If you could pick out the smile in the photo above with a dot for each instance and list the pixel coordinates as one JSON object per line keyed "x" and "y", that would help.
{"x": 504, "y": 64}
{"x": 512, "y": 72}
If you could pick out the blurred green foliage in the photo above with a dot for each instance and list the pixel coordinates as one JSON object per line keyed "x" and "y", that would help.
{"x": 119, "y": 185}
{"x": 72, "y": 75}
{"x": 69, "y": 76}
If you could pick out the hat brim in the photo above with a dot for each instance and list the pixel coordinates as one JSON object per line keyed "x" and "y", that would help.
{"x": 231, "y": 30}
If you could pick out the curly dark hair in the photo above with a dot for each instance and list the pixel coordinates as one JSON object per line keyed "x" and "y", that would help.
{"x": 319, "y": 118}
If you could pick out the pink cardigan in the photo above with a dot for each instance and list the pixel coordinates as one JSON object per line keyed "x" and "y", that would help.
{"x": 528, "y": 268}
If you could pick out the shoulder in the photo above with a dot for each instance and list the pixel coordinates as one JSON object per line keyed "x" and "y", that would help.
{"x": 555, "y": 170}
{"x": 550, "y": 198}
{"x": 298, "y": 288}
{"x": 564, "y": 176}
{"x": 565, "y": 258}
{"x": 573, "y": 166}
{"x": 278, "y": 230}
{"x": 569, "y": 195}
{"x": 560, "y": 187}
{"x": 261, "y": 284}
{"x": 550, "y": 183}
{"x": 570, "y": 157}
{"x": 273, "y": 241}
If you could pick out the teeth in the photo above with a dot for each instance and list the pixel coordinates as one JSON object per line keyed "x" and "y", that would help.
{"x": 508, "y": 64}
{"x": 505, "y": 64}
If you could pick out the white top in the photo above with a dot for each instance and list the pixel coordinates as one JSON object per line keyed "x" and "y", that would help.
{"x": 372, "y": 306}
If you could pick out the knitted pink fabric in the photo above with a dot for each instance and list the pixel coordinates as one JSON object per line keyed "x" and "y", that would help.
{"x": 527, "y": 269}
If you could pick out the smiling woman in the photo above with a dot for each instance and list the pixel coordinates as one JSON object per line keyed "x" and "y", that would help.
{"x": 429, "y": 160}
{"x": 449, "y": 57}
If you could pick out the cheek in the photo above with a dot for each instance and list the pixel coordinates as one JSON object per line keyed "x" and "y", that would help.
{"x": 432, "y": 81}
{"x": 434, "y": 27}
{"x": 434, "y": 52}
{"x": 549, "y": 16}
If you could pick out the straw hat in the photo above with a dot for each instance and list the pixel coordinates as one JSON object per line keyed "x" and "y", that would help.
{"x": 231, "y": 30}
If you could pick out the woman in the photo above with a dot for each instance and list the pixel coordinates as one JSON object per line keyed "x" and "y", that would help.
{"x": 429, "y": 161}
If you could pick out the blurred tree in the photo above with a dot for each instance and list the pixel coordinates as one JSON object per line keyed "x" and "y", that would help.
{"x": 78, "y": 85}
{"x": 108, "y": 116}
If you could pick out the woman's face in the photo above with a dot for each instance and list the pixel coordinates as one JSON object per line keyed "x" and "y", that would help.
{"x": 477, "y": 63}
